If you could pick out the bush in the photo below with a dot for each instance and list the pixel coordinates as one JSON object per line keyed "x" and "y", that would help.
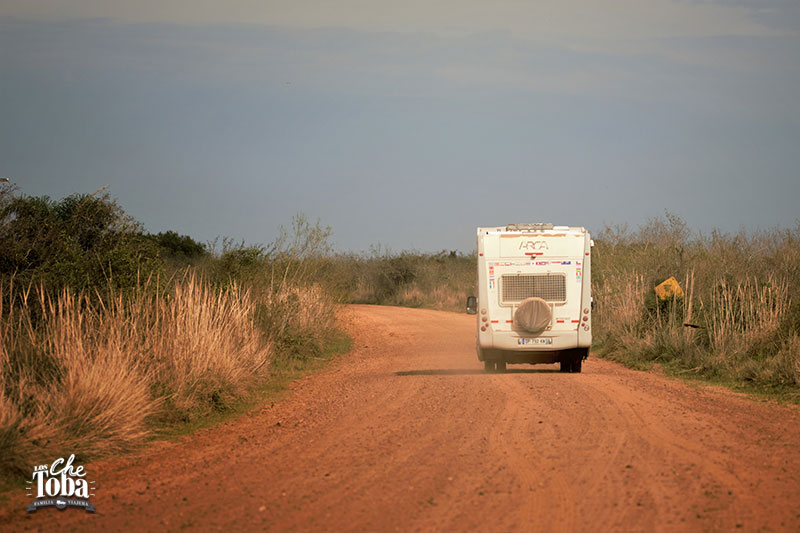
{"x": 82, "y": 242}
{"x": 176, "y": 246}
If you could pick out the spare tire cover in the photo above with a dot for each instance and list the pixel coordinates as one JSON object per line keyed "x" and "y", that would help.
{"x": 533, "y": 315}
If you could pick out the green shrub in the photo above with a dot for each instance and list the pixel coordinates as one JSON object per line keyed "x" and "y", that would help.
{"x": 83, "y": 242}
{"x": 176, "y": 246}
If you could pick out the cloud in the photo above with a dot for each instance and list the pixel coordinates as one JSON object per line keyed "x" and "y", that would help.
{"x": 568, "y": 22}
{"x": 721, "y": 34}
{"x": 723, "y": 74}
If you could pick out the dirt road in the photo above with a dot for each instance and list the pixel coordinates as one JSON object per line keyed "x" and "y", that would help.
{"x": 408, "y": 433}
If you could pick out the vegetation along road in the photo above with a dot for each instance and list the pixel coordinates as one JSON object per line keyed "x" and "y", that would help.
{"x": 408, "y": 432}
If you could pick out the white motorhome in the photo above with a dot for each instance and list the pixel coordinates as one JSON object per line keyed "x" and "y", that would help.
{"x": 534, "y": 300}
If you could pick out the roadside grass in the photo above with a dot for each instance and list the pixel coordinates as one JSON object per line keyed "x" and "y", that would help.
{"x": 283, "y": 371}
{"x": 95, "y": 379}
{"x": 782, "y": 394}
{"x": 84, "y": 378}
{"x": 737, "y": 322}
{"x": 92, "y": 371}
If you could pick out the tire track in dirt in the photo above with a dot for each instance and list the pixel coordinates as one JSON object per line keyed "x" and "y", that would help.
{"x": 653, "y": 495}
{"x": 648, "y": 427}
{"x": 599, "y": 448}
{"x": 546, "y": 500}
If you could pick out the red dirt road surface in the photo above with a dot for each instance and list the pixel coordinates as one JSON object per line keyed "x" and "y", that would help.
{"x": 408, "y": 433}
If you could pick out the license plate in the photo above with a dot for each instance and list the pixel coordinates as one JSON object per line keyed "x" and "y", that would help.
{"x": 537, "y": 340}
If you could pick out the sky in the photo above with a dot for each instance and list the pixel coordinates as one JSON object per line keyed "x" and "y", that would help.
{"x": 406, "y": 124}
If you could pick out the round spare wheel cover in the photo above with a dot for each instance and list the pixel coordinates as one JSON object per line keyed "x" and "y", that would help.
{"x": 533, "y": 315}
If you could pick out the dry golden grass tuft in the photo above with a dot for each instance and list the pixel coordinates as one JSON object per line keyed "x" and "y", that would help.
{"x": 620, "y": 301}
{"x": 746, "y": 312}
{"x": 203, "y": 346}
{"x": 78, "y": 376}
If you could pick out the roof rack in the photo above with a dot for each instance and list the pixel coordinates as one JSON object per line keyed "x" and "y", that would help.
{"x": 539, "y": 226}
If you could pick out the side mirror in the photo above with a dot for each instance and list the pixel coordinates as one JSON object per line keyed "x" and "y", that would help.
{"x": 472, "y": 305}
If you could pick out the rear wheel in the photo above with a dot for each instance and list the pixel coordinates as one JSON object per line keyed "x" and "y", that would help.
{"x": 566, "y": 365}
{"x": 488, "y": 366}
{"x": 576, "y": 365}
{"x": 500, "y": 366}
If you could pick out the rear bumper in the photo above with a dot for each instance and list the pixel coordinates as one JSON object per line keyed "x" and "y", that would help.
{"x": 513, "y": 347}
{"x": 518, "y": 342}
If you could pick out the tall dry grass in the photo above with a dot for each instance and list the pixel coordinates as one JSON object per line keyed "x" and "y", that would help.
{"x": 78, "y": 376}
{"x": 745, "y": 312}
{"x": 738, "y": 320}
{"x": 620, "y": 301}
